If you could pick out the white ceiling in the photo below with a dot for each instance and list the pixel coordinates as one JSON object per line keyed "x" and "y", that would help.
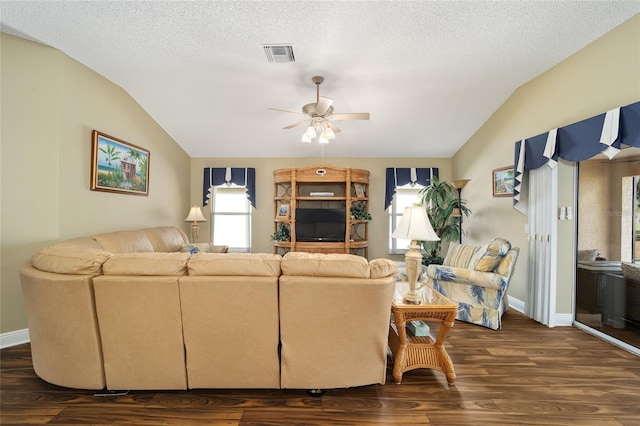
{"x": 429, "y": 72}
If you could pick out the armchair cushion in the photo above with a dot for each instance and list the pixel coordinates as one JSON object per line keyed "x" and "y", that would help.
{"x": 459, "y": 255}
{"x": 467, "y": 276}
{"x": 487, "y": 257}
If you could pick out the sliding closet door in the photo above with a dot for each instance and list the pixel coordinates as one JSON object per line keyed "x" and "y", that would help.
{"x": 542, "y": 236}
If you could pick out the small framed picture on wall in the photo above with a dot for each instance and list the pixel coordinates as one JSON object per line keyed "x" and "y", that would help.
{"x": 502, "y": 180}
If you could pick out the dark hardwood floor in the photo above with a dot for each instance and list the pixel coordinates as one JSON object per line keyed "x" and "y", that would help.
{"x": 525, "y": 374}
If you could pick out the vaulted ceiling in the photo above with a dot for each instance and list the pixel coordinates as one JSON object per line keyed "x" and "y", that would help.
{"x": 430, "y": 73}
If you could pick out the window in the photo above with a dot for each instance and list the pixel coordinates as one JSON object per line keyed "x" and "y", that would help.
{"x": 406, "y": 196}
{"x": 231, "y": 218}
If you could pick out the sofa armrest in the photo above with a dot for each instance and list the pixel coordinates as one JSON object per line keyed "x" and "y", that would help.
{"x": 467, "y": 276}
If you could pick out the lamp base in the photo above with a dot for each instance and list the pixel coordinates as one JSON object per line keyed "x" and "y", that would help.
{"x": 413, "y": 260}
{"x": 195, "y": 232}
{"x": 412, "y": 298}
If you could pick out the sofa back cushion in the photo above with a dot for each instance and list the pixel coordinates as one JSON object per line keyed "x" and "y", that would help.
{"x": 239, "y": 264}
{"x": 381, "y": 268}
{"x": 149, "y": 264}
{"x": 487, "y": 257}
{"x": 459, "y": 255}
{"x": 125, "y": 242}
{"x": 79, "y": 256}
{"x": 325, "y": 265}
{"x": 166, "y": 238}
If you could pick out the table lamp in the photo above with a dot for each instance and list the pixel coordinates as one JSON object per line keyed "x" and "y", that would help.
{"x": 415, "y": 226}
{"x": 195, "y": 216}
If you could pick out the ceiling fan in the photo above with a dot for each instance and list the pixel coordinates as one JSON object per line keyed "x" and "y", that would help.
{"x": 320, "y": 117}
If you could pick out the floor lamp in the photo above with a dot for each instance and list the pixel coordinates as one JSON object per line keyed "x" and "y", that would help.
{"x": 457, "y": 212}
{"x": 195, "y": 216}
{"x": 415, "y": 226}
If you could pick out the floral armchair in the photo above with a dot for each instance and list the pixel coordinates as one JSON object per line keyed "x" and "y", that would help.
{"x": 477, "y": 279}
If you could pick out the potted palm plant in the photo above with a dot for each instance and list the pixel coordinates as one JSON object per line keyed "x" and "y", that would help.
{"x": 445, "y": 211}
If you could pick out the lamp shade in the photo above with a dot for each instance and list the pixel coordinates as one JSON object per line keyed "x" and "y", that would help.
{"x": 195, "y": 215}
{"x": 459, "y": 184}
{"x": 415, "y": 225}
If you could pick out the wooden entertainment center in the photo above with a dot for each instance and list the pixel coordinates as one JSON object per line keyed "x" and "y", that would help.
{"x": 322, "y": 187}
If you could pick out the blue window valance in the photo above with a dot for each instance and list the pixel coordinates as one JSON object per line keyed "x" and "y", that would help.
{"x": 402, "y": 176}
{"x": 242, "y": 176}
{"x": 604, "y": 133}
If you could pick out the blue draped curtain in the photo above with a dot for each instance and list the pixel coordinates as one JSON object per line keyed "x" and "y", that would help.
{"x": 402, "y": 176}
{"x": 242, "y": 176}
{"x": 604, "y": 133}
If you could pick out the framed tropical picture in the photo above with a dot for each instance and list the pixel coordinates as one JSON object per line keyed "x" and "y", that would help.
{"x": 503, "y": 182}
{"x": 118, "y": 166}
{"x": 359, "y": 190}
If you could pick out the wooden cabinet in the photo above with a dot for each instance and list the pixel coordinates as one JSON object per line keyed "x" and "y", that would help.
{"x": 298, "y": 191}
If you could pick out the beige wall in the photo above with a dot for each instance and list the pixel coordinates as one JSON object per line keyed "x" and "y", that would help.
{"x": 602, "y": 76}
{"x": 50, "y": 104}
{"x": 262, "y": 220}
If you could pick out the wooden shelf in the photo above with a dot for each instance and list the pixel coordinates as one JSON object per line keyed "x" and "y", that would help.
{"x": 292, "y": 186}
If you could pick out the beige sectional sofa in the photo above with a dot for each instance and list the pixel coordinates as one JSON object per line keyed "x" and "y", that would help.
{"x": 131, "y": 310}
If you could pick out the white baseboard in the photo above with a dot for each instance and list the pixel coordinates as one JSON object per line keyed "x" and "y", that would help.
{"x": 14, "y": 338}
{"x": 561, "y": 320}
{"x": 516, "y": 304}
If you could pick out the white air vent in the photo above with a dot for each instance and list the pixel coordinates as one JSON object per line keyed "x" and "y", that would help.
{"x": 279, "y": 53}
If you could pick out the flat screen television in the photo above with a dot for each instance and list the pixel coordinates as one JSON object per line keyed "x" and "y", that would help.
{"x": 320, "y": 225}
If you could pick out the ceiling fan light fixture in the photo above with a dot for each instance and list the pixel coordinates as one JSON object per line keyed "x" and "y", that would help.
{"x": 329, "y": 133}
{"x": 305, "y": 138}
{"x": 311, "y": 132}
{"x": 323, "y": 138}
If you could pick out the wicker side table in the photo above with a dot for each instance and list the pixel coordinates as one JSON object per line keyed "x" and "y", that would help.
{"x": 410, "y": 352}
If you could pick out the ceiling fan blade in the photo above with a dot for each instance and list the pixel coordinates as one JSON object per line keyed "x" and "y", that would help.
{"x": 284, "y": 110}
{"x": 350, "y": 116}
{"x": 323, "y": 105}
{"x": 298, "y": 124}
{"x": 333, "y": 127}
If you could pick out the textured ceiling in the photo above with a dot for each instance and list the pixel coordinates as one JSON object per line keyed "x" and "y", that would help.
{"x": 430, "y": 73}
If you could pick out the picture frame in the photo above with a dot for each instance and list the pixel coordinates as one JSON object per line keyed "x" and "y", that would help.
{"x": 503, "y": 181}
{"x": 359, "y": 190}
{"x": 118, "y": 166}
{"x": 283, "y": 212}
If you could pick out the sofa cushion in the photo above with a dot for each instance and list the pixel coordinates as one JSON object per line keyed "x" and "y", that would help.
{"x": 75, "y": 257}
{"x": 380, "y": 268}
{"x": 325, "y": 265}
{"x": 203, "y": 248}
{"x": 195, "y": 248}
{"x": 174, "y": 264}
{"x": 459, "y": 255}
{"x": 125, "y": 242}
{"x": 487, "y": 257}
{"x": 239, "y": 264}
{"x": 166, "y": 238}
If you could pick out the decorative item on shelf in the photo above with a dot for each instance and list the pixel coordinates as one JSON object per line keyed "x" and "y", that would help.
{"x": 441, "y": 199}
{"x": 359, "y": 211}
{"x": 458, "y": 185}
{"x": 283, "y": 212}
{"x": 195, "y": 216}
{"x": 415, "y": 226}
{"x": 282, "y": 234}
